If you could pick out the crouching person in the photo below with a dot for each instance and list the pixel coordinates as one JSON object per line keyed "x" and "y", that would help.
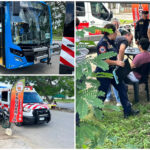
{"x": 107, "y": 44}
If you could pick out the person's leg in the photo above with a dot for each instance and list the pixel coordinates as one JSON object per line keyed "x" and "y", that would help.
{"x": 104, "y": 86}
{"x": 122, "y": 91}
{"x": 109, "y": 94}
{"x": 116, "y": 95}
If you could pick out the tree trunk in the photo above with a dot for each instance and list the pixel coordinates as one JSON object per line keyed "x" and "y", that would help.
{"x": 49, "y": 100}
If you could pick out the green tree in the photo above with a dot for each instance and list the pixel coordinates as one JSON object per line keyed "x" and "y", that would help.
{"x": 58, "y": 16}
{"x": 46, "y": 85}
{"x": 90, "y": 133}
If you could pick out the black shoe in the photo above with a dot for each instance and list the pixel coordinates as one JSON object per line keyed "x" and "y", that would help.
{"x": 132, "y": 113}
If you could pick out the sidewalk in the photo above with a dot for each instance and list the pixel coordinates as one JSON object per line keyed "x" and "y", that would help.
{"x": 7, "y": 142}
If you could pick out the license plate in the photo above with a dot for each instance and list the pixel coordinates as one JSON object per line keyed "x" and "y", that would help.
{"x": 41, "y": 118}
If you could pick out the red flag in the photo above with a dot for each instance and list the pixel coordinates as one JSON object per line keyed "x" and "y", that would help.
{"x": 137, "y": 11}
{"x": 16, "y": 103}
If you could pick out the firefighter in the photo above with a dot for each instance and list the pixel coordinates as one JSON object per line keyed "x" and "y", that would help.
{"x": 141, "y": 28}
{"x": 106, "y": 44}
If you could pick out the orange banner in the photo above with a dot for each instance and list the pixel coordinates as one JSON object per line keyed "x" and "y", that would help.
{"x": 16, "y": 104}
{"x": 137, "y": 11}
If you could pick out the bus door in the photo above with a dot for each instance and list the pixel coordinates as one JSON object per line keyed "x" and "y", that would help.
{"x": 2, "y": 33}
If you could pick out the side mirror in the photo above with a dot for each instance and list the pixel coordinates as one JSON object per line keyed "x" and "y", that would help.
{"x": 110, "y": 16}
{"x": 16, "y": 8}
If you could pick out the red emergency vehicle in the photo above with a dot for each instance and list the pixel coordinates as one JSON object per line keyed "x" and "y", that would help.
{"x": 34, "y": 109}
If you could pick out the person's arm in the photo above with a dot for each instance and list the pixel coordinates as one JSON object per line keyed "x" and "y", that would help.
{"x": 115, "y": 62}
{"x": 148, "y": 32}
{"x": 136, "y": 61}
{"x": 132, "y": 65}
{"x": 121, "y": 52}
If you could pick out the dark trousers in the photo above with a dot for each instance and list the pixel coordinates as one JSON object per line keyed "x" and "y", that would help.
{"x": 122, "y": 91}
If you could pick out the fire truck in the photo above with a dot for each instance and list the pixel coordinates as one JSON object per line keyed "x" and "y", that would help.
{"x": 34, "y": 109}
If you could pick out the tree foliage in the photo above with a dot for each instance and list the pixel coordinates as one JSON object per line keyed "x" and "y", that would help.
{"x": 46, "y": 85}
{"x": 90, "y": 133}
{"x": 58, "y": 16}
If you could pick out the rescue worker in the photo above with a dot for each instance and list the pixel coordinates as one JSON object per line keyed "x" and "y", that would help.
{"x": 106, "y": 44}
{"x": 141, "y": 28}
{"x": 122, "y": 42}
{"x": 116, "y": 23}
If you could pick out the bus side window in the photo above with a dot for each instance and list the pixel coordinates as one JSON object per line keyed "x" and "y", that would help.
{"x": 5, "y": 96}
{"x": 80, "y": 9}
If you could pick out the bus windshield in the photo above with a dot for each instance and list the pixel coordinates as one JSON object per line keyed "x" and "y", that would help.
{"x": 32, "y": 25}
{"x": 32, "y": 97}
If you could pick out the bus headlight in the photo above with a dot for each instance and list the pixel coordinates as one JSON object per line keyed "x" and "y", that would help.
{"x": 18, "y": 59}
{"x": 25, "y": 109}
{"x": 16, "y": 52}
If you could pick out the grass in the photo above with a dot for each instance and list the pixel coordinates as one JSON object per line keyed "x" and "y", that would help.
{"x": 57, "y": 38}
{"x": 131, "y": 133}
{"x": 122, "y": 21}
{"x": 128, "y": 133}
{"x": 65, "y": 100}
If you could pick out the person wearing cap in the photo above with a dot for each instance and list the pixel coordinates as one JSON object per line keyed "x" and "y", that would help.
{"x": 107, "y": 44}
{"x": 141, "y": 28}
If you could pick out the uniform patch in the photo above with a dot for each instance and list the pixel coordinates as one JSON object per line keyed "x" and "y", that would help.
{"x": 102, "y": 49}
{"x": 141, "y": 22}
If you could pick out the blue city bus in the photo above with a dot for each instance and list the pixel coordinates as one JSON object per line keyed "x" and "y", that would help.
{"x": 25, "y": 33}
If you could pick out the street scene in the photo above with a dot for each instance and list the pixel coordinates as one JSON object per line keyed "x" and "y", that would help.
{"x": 37, "y": 38}
{"x": 43, "y": 136}
{"x": 35, "y": 116}
{"x": 52, "y": 68}
{"x": 112, "y": 75}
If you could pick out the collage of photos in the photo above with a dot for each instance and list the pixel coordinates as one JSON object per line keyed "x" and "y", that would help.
{"x": 37, "y": 75}
{"x": 74, "y": 74}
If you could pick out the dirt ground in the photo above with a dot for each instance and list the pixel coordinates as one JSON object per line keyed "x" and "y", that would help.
{"x": 7, "y": 142}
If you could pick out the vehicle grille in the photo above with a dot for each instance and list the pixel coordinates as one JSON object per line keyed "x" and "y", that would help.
{"x": 40, "y": 53}
{"x": 40, "y": 112}
{"x": 30, "y": 54}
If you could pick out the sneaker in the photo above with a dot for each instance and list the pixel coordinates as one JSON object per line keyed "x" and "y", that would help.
{"x": 132, "y": 113}
{"x": 107, "y": 100}
{"x": 118, "y": 104}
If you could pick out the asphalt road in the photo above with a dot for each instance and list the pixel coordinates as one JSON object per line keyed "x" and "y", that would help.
{"x": 59, "y": 133}
{"x": 41, "y": 68}
{"x": 69, "y": 106}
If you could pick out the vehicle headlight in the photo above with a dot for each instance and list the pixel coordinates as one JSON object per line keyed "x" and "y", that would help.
{"x": 25, "y": 109}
